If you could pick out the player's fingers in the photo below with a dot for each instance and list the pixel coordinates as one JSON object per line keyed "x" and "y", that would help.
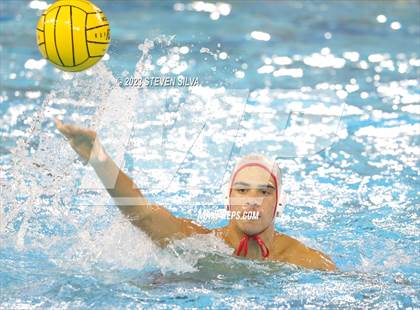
{"x": 71, "y": 131}
{"x": 58, "y": 123}
{"x": 62, "y": 128}
{"x": 79, "y": 131}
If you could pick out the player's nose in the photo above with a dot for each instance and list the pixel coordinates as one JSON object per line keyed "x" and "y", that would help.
{"x": 253, "y": 199}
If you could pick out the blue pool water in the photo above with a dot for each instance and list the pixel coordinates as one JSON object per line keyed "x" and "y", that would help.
{"x": 328, "y": 88}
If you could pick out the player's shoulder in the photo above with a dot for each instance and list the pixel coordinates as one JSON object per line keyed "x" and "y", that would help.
{"x": 293, "y": 251}
{"x": 285, "y": 245}
{"x": 286, "y": 242}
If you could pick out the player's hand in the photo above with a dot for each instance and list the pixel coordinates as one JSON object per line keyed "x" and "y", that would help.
{"x": 84, "y": 141}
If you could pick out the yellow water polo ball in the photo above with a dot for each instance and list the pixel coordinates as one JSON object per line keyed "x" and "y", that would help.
{"x": 73, "y": 34}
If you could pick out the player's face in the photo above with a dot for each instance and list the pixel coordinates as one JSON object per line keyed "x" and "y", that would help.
{"x": 253, "y": 192}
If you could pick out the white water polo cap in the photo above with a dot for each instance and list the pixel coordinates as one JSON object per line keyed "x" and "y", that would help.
{"x": 270, "y": 166}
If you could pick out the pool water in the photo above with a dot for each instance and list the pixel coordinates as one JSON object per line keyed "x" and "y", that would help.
{"x": 327, "y": 88}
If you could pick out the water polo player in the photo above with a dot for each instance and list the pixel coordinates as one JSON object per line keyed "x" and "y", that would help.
{"x": 254, "y": 188}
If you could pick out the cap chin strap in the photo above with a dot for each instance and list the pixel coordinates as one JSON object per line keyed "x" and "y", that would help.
{"x": 243, "y": 244}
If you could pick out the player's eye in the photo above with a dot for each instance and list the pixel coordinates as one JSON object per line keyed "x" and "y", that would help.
{"x": 242, "y": 190}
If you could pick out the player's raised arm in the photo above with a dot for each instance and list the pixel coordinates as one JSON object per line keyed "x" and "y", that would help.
{"x": 160, "y": 224}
